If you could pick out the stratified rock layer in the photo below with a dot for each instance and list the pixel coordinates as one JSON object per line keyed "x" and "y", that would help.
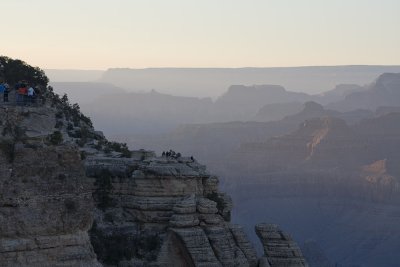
{"x": 178, "y": 199}
{"x": 279, "y": 248}
{"x": 45, "y": 206}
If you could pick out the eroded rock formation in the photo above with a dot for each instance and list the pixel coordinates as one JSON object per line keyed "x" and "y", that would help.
{"x": 279, "y": 248}
{"x": 179, "y": 201}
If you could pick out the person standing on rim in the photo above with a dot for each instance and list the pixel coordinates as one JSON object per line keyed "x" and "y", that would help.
{"x": 2, "y": 88}
{"x": 6, "y": 91}
{"x": 31, "y": 93}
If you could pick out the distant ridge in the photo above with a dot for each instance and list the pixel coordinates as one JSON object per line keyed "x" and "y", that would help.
{"x": 384, "y": 91}
{"x": 212, "y": 82}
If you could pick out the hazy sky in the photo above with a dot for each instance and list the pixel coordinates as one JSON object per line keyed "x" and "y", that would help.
{"x": 97, "y": 34}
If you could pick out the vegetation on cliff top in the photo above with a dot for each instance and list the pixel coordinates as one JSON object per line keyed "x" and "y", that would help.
{"x": 77, "y": 125}
{"x": 16, "y": 70}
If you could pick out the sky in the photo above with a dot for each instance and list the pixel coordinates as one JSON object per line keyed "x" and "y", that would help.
{"x": 100, "y": 34}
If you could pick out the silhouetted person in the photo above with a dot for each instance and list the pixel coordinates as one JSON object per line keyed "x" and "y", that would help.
{"x": 2, "y": 88}
{"x": 6, "y": 91}
{"x": 21, "y": 93}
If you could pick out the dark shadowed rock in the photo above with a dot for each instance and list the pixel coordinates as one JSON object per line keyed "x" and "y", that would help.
{"x": 279, "y": 247}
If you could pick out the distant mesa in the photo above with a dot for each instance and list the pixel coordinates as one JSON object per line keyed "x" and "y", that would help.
{"x": 259, "y": 95}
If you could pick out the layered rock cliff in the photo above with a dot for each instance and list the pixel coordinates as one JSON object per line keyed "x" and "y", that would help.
{"x": 279, "y": 247}
{"x": 45, "y": 203}
{"x": 172, "y": 206}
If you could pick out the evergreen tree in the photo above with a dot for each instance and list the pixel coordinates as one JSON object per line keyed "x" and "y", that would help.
{"x": 15, "y": 70}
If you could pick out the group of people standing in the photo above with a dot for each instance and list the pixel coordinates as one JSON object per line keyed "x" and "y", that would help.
{"x": 24, "y": 94}
{"x": 174, "y": 155}
{"x": 171, "y": 154}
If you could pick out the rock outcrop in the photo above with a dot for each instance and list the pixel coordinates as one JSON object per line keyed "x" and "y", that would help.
{"x": 279, "y": 248}
{"x": 45, "y": 204}
{"x": 179, "y": 200}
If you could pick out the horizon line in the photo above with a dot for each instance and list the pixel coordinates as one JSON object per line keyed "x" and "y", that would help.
{"x": 199, "y": 68}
